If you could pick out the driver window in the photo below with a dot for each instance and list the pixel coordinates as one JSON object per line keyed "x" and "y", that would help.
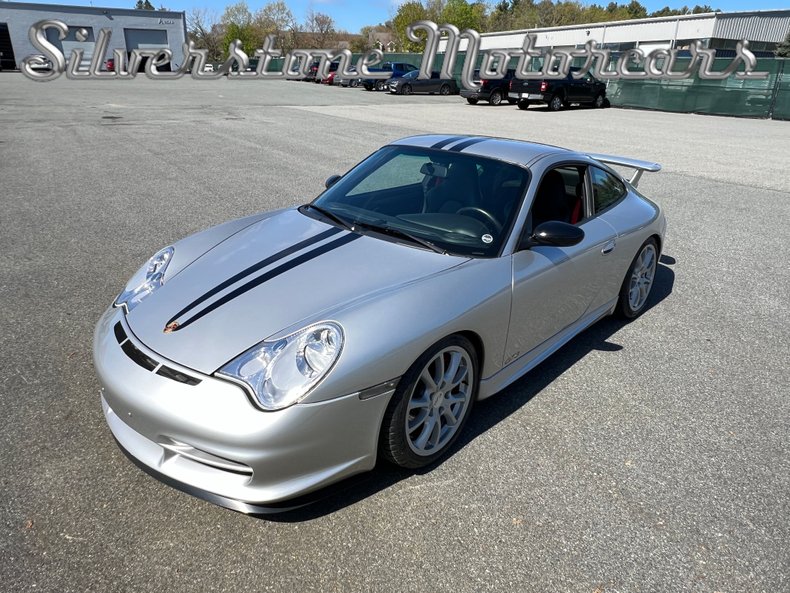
{"x": 560, "y": 196}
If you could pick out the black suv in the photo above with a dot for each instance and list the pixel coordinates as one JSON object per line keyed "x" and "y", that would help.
{"x": 491, "y": 90}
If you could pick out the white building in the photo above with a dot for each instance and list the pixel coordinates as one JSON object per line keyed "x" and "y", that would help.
{"x": 131, "y": 29}
{"x": 717, "y": 30}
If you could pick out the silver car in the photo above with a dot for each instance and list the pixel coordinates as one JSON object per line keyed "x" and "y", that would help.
{"x": 267, "y": 357}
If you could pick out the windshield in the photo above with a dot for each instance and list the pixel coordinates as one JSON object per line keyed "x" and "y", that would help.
{"x": 449, "y": 201}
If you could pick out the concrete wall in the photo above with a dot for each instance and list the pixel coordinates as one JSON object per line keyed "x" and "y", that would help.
{"x": 21, "y": 16}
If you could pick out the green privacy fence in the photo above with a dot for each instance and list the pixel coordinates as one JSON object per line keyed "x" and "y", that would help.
{"x": 740, "y": 98}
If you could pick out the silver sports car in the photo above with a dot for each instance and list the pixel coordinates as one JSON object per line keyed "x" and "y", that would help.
{"x": 267, "y": 357}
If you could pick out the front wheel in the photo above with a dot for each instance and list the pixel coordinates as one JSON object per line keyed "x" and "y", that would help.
{"x": 598, "y": 102}
{"x": 638, "y": 281}
{"x": 445, "y": 90}
{"x": 431, "y": 404}
{"x": 406, "y": 90}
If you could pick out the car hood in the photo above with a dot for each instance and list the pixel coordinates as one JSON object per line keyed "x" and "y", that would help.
{"x": 278, "y": 274}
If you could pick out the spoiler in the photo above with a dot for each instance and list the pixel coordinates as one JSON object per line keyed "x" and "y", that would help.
{"x": 640, "y": 166}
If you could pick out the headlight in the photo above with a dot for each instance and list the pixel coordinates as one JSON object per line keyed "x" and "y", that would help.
{"x": 281, "y": 372}
{"x": 146, "y": 280}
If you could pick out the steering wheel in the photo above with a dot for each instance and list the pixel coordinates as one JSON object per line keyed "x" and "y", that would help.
{"x": 482, "y": 214}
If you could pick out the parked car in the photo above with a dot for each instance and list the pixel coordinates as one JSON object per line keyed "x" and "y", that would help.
{"x": 397, "y": 69}
{"x": 267, "y": 357}
{"x": 492, "y": 90}
{"x": 208, "y": 68}
{"x": 410, "y": 83}
{"x": 109, "y": 65}
{"x": 330, "y": 76}
{"x": 558, "y": 93}
{"x": 352, "y": 81}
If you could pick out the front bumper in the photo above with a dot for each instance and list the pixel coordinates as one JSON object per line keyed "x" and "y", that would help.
{"x": 209, "y": 439}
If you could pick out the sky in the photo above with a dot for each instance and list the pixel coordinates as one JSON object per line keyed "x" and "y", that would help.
{"x": 351, "y": 15}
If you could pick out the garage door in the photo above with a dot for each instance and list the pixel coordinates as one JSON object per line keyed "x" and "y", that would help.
{"x": 145, "y": 39}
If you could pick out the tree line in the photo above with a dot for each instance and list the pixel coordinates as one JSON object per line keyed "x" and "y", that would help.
{"x": 319, "y": 30}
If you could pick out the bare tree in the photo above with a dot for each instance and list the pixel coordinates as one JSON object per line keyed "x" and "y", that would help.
{"x": 322, "y": 26}
{"x": 204, "y": 30}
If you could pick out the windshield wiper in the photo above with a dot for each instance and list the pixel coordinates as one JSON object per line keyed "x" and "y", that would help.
{"x": 331, "y": 216}
{"x": 389, "y": 230}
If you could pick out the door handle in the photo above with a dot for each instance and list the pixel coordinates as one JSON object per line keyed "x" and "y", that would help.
{"x": 609, "y": 247}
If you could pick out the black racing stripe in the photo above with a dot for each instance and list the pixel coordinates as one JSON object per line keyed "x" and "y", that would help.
{"x": 446, "y": 141}
{"x": 289, "y": 265}
{"x": 467, "y": 144}
{"x": 255, "y": 267}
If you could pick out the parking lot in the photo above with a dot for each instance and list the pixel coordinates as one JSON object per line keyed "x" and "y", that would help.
{"x": 650, "y": 456}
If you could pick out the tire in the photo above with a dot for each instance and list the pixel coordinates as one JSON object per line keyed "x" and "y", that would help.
{"x": 422, "y": 404}
{"x": 471, "y": 101}
{"x": 353, "y": 84}
{"x": 523, "y": 104}
{"x": 495, "y": 98}
{"x": 445, "y": 89}
{"x": 599, "y": 101}
{"x": 368, "y": 87}
{"x": 405, "y": 90}
{"x": 555, "y": 103}
{"x": 638, "y": 282}
{"x": 380, "y": 85}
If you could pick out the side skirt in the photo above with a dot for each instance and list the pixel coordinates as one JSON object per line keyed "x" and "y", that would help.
{"x": 526, "y": 362}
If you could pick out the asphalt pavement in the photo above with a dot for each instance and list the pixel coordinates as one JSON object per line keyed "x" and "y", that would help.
{"x": 649, "y": 456}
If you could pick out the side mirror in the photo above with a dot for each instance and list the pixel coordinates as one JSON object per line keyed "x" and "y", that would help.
{"x": 555, "y": 234}
{"x": 331, "y": 180}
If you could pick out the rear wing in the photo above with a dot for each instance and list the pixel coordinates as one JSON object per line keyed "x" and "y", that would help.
{"x": 640, "y": 166}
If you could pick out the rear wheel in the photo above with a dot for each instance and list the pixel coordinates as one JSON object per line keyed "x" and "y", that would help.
{"x": 380, "y": 85}
{"x": 555, "y": 103}
{"x": 638, "y": 281}
{"x": 431, "y": 404}
{"x": 471, "y": 101}
{"x": 523, "y": 104}
{"x": 445, "y": 90}
{"x": 495, "y": 98}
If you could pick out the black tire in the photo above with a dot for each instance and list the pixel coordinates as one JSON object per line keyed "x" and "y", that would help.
{"x": 523, "y": 104}
{"x": 381, "y": 85}
{"x": 599, "y": 101}
{"x": 368, "y": 87}
{"x": 445, "y": 89}
{"x": 624, "y": 308}
{"x": 495, "y": 98}
{"x": 405, "y": 89}
{"x": 353, "y": 84}
{"x": 471, "y": 101}
{"x": 394, "y": 443}
{"x": 555, "y": 103}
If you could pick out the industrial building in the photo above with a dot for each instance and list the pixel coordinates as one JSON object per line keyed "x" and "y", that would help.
{"x": 131, "y": 29}
{"x": 717, "y": 30}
